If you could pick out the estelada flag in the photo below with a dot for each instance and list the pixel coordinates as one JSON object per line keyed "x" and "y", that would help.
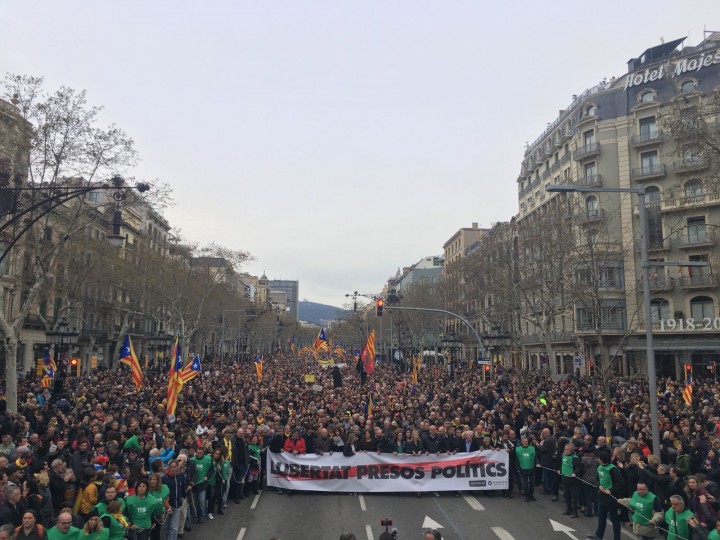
{"x": 321, "y": 342}
{"x": 128, "y": 357}
{"x": 192, "y": 370}
{"x": 259, "y": 366}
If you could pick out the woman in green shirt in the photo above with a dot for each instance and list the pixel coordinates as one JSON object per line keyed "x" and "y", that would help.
{"x": 114, "y": 521}
{"x": 254, "y": 449}
{"x": 217, "y": 476}
{"x": 93, "y": 529}
{"x": 160, "y": 492}
{"x": 139, "y": 509}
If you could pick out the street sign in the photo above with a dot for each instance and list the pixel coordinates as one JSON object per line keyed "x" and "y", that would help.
{"x": 484, "y": 362}
{"x": 578, "y": 361}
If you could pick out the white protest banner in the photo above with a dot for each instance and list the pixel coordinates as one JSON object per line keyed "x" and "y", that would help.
{"x": 370, "y": 472}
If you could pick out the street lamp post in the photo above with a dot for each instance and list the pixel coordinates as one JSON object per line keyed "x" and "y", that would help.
{"x": 650, "y": 348}
{"x": 62, "y": 337}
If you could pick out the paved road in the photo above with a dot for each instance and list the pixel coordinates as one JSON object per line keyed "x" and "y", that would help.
{"x": 468, "y": 517}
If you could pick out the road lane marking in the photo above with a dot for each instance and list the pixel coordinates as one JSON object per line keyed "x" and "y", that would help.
{"x": 502, "y": 534}
{"x": 473, "y": 502}
{"x": 241, "y": 534}
{"x": 255, "y": 502}
{"x": 368, "y": 530}
{"x": 362, "y": 503}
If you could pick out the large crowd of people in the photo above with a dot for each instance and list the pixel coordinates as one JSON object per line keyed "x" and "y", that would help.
{"x": 90, "y": 457}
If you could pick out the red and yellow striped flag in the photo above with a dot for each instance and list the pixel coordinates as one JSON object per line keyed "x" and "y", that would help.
{"x": 368, "y": 353}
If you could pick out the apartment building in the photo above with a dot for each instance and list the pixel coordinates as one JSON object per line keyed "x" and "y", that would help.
{"x": 623, "y": 134}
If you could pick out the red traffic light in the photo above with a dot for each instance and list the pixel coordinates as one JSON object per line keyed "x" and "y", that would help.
{"x": 688, "y": 367}
{"x": 379, "y": 307}
{"x": 590, "y": 363}
{"x": 487, "y": 367}
{"x": 74, "y": 362}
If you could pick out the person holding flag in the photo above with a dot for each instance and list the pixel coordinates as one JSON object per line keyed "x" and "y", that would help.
{"x": 128, "y": 357}
{"x": 259, "y": 366}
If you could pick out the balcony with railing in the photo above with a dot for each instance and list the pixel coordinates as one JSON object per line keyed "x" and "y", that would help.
{"x": 700, "y": 238}
{"x": 590, "y": 216}
{"x": 647, "y": 138}
{"x": 565, "y": 157}
{"x": 587, "y": 151}
{"x": 661, "y": 283}
{"x": 546, "y": 174}
{"x": 590, "y": 180}
{"x": 648, "y": 172}
{"x": 555, "y": 166}
{"x": 677, "y": 204}
{"x": 608, "y": 327}
{"x": 661, "y": 244}
{"x": 689, "y": 165}
{"x": 699, "y": 281}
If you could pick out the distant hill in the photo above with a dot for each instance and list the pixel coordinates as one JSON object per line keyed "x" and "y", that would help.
{"x": 315, "y": 313}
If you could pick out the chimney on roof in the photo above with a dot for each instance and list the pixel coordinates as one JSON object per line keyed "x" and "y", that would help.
{"x": 475, "y": 225}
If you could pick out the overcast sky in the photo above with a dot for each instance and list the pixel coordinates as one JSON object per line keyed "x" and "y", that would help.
{"x": 335, "y": 141}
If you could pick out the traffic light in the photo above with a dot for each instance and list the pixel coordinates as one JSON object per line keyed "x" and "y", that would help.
{"x": 590, "y": 363}
{"x": 487, "y": 367}
{"x": 75, "y": 366}
{"x": 379, "y": 307}
{"x": 688, "y": 368}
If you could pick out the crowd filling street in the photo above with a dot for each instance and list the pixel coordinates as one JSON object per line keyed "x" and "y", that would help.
{"x": 91, "y": 457}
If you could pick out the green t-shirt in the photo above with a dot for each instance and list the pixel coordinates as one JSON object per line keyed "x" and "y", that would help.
{"x": 714, "y": 535}
{"x": 604, "y": 478}
{"x": 73, "y": 533}
{"x": 677, "y": 525}
{"x": 139, "y": 511}
{"x": 567, "y": 464}
{"x": 203, "y": 466}
{"x": 525, "y": 456}
{"x": 642, "y": 506}
{"x": 97, "y": 535}
{"x": 162, "y": 495}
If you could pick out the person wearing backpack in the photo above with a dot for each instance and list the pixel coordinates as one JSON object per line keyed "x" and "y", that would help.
{"x": 30, "y": 528}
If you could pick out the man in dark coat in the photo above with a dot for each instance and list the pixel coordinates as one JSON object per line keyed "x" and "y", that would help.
{"x": 239, "y": 462}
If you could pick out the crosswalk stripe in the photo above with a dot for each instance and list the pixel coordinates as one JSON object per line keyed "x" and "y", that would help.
{"x": 473, "y": 502}
{"x": 502, "y": 534}
{"x": 368, "y": 530}
{"x": 255, "y": 502}
{"x": 241, "y": 534}
{"x": 362, "y": 503}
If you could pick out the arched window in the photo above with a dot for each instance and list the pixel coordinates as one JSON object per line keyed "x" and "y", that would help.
{"x": 694, "y": 188}
{"x": 652, "y": 194}
{"x": 688, "y": 86}
{"x": 702, "y": 307}
{"x": 647, "y": 97}
{"x": 591, "y": 110}
{"x": 660, "y": 309}
{"x": 591, "y": 204}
